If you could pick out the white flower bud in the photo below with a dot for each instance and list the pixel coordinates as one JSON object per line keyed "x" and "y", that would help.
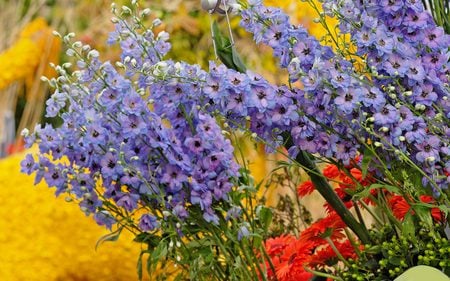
{"x": 146, "y": 12}
{"x": 126, "y": 10}
{"x": 77, "y": 44}
{"x": 178, "y": 244}
{"x": 209, "y": 5}
{"x": 114, "y": 20}
{"x": 401, "y": 138}
{"x": 70, "y": 52}
{"x": 56, "y": 33}
{"x": 93, "y": 54}
{"x": 25, "y": 132}
{"x": 430, "y": 159}
{"x": 156, "y": 22}
{"x": 171, "y": 244}
{"x": 408, "y": 93}
{"x": 164, "y": 36}
{"x": 378, "y": 144}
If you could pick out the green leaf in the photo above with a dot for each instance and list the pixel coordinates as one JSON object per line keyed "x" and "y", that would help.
{"x": 265, "y": 217}
{"x": 408, "y": 227}
{"x": 226, "y": 51}
{"x": 367, "y": 158}
{"x": 366, "y": 191}
{"x": 113, "y": 236}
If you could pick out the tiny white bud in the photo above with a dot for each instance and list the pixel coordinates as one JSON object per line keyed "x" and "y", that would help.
{"x": 146, "y": 12}
{"x": 384, "y": 129}
{"x": 77, "y": 44}
{"x": 56, "y": 33}
{"x": 84, "y": 209}
{"x": 120, "y": 65}
{"x": 44, "y": 79}
{"x": 248, "y": 118}
{"x": 166, "y": 213}
{"x": 254, "y": 135}
{"x": 401, "y": 138}
{"x": 70, "y": 52}
{"x": 126, "y": 10}
{"x": 68, "y": 199}
{"x": 370, "y": 119}
{"x": 430, "y": 159}
{"x": 112, "y": 149}
{"x": 93, "y": 54}
{"x": 85, "y": 48}
{"x": 378, "y": 144}
{"x": 178, "y": 258}
{"x": 178, "y": 244}
{"x": 67, "y": 65}
{"x": 208, "y": 5}
{"x": 392, "y": 96}
{"x": 134, "y": 158}
{"x": 408, "y": 93}
{"x": 133, "y": 62}
{"x": 114, "y": 20}
{"x": 171, "y": 244}
{"x": 163, "y": 35}
{"x": 83, "y": 188}
{"x": 25, "y": 132}
{"x": 156, "y": 22}
{"x": 178, "y": 225}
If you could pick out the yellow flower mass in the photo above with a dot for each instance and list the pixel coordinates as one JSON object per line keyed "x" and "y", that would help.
{"x": 35, "y": 44}
{"x": 48, "y": 239}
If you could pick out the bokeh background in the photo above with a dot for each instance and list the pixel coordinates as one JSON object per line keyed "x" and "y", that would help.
{"x": 44, "y": 238}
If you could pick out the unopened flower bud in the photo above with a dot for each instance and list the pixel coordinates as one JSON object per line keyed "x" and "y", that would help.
{"x": 401, "y": 138}
{"x": 378, "y": 144}
{"x": 156, "y": 22}
{"x": 430, "y": 159}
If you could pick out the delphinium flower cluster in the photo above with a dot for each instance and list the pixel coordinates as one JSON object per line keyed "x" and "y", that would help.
{"x": 400, "y": 103}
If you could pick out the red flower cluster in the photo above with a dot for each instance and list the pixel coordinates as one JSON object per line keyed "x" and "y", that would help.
{"x": 290, "y": 255}
{"x": 400, "y": 207}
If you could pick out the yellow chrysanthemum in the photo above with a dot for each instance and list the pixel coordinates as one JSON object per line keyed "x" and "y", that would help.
{"x": 43, "y": 238}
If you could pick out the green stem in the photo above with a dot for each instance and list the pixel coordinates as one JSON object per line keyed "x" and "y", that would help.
{"x": 327, "y": 192}
{"x": 322, "y": 274}
{"x": 336, "y": 251}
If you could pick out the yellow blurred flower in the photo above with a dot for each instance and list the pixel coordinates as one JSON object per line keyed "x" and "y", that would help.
{"x": 35, "y": 46}
{"x": 43, "y": 238}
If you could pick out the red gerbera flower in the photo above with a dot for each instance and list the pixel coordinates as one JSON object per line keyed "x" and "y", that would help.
{"x": 399, "y": 206}
{"x": 331, "y": 171}
{"x": 305, "y": 188}
{"x": 331, "y": 226}
{"x": 435, "y": 212}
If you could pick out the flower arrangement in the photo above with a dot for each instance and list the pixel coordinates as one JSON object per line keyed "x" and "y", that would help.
{"x": 146, "y": 143}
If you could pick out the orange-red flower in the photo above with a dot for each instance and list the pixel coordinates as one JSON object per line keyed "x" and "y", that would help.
{"x": 305, "y": 188}
{"x": 288, "y": 255}
{"x": 400, "y": 207}
{"x": 330, "y": 226}
{"x": 331, "y": 171}
{"x": 327, "y": 256}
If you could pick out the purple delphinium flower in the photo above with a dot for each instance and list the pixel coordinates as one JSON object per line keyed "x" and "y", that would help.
{"x": 148, "y": 222}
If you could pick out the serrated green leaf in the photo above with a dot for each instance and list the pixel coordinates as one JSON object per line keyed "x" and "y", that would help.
{"x": 113, "y": 236}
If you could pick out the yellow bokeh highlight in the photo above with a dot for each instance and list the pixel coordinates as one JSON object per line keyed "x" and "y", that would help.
{"x": 35, "y": 46}
{"x": 43, "y": 238}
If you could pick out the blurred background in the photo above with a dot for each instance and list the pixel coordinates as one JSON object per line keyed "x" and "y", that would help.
{"x": 43, "y": 238}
